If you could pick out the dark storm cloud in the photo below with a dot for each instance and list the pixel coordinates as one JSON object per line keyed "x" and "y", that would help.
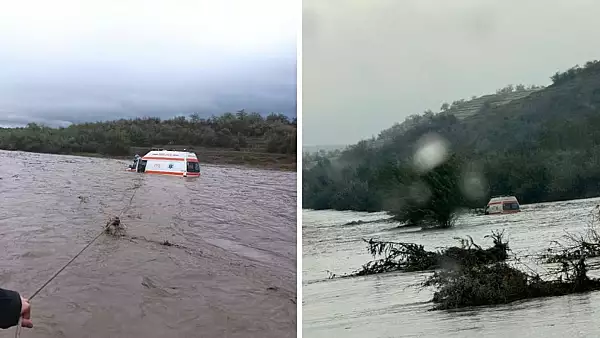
{"x": 67, "y": 62}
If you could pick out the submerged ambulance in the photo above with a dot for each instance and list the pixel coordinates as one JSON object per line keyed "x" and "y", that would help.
{"x": 502, "y": 205}
{"x": 167, "y": 162}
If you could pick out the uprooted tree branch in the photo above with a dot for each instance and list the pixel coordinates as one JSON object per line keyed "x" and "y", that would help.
{"x": 469, "y": 275}
{"x": 399, "y": 256}
{"x": 501, "y": 282}
{"x": 573, "y": 246}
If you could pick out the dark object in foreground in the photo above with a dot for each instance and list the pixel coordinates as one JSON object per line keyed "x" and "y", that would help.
{"x": 501, "y": 283}
{"x": 472, "y": 276}
{"x": 408, "y": 257}
{"x": 10, "y": 308}
{"x": 114, "y": 227}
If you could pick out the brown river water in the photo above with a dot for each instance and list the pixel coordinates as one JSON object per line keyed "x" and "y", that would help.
{"x": 389, "y": 305}
{"x": 233, "y": 274}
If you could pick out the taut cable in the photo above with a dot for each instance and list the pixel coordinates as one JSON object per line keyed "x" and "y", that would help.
{"x": 18, "y": 331}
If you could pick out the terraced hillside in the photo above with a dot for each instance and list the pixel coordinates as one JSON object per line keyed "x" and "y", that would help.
{"x": 469, "y": 108}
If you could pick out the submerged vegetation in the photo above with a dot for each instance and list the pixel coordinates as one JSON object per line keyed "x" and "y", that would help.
{"x": 398, "y": 256}
{"x": 539, "y": 144}
{"x": 433, "y": 198}
{"x": 249, "y": 134}
{"x": 572, "y": 246}
{"x": 469, "y": 275}
{"x": 501, "y": 283}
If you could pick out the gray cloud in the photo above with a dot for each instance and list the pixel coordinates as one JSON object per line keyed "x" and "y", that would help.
{"x": 369, "y": 64}
{"x": 66, "y": 63}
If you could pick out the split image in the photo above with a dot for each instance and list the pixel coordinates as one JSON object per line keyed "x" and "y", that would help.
{"x": 447, "y": 187}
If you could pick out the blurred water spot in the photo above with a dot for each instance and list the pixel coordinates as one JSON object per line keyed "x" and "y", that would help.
{"x": 473, "y": 185}
{"x": 432, "y": 150}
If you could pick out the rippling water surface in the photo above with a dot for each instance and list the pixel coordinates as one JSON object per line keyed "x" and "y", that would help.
{"x": 388, "y": 305}
{"x": 234, "y": 276}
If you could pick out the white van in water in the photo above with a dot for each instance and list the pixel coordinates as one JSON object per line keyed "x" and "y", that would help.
{"x": 167, "y": 162}
{"x": 502, "y": 205}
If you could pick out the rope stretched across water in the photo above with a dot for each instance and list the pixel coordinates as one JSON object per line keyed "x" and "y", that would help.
{"x": 18, "y": 331}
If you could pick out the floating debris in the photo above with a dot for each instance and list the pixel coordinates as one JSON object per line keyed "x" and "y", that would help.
{"x": 381, "y": 220}
{"x": 501, "y": 283}
{"x": 573, "y": 246}
{"x": 409, "y": 257}
{"x": 114, "y": 227}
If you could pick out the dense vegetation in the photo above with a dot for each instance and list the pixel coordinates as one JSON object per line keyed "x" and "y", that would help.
{"x": 544, "y": 146}
{"x": 469, "y": 275}
{"x": 407, "y": 257}
{"x": 275, "y": 133}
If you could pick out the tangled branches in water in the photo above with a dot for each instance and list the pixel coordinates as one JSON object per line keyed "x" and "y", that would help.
{"x": 500, "y": 283}
{"x": 398, "y": 256}
{"x": 572, "y": 246}
{"x": 468, "y": 275}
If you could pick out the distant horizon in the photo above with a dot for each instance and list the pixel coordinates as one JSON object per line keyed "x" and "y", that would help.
{"x": 41, "y": 122}
{"x": 100, "y": 61}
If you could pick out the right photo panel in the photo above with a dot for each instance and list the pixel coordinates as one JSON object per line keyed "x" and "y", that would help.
{"x": 451, "y": 169}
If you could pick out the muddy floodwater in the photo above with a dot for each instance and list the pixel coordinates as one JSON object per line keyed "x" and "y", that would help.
{"x": 388, "y": 305}
{"x": 231, "y": 273}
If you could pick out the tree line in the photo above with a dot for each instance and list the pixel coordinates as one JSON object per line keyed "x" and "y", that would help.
{"x": 544, "y": 147}
{"x": 275, "y": 133}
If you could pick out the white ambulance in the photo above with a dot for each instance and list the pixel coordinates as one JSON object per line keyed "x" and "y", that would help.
{"x": 502, "y": 205}
{"x": 167, "y": 162}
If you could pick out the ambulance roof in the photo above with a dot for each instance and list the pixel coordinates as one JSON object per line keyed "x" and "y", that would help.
{"x": 503, "y": 199}
{"x": 167, "y": 154}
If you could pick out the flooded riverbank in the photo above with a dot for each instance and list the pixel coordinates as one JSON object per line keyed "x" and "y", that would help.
{"x": 235, "y": 275}
{"x": 388, "y": 305}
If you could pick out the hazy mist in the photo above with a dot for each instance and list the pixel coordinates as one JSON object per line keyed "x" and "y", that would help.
{"x": 368, "y": 64}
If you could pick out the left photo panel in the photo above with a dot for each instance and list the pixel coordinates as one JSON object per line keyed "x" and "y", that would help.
{"x": 148, "y": 182}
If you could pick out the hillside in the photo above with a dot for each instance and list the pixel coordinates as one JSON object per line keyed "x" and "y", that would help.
{"x": 321, "y": 148}
{"x": 240, "y": 138}
{"x": 465, "y": 109}
{"x": 541, "y": 144}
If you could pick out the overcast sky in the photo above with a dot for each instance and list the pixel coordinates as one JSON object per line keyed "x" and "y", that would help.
{"x": 368, "y": 64}
{"x": 66, "y": 61}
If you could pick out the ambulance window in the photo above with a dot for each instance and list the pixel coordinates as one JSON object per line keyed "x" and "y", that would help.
{"x": 193, "y": 167}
